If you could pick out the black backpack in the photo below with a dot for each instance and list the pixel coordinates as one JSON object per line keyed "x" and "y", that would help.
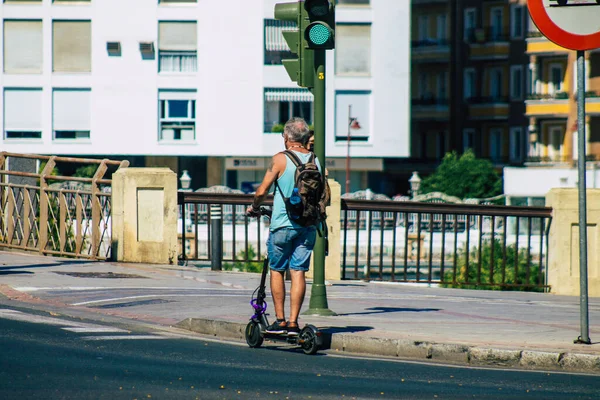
{"x": 310, "y": 196}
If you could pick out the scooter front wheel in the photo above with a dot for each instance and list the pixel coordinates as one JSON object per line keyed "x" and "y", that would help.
{"x": 253, "y": 335}
{"x": 310, "y": 339}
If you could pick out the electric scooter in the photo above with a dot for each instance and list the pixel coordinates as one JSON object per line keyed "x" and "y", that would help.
{"x": 310, "y": 339}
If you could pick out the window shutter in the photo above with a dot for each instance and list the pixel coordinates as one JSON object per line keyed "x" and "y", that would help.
{"x": 177, "y": 36}
{"x": 353, "y": 49}
{"x": 71, "y": 110}
{"x": 23, "y": 110}
{"x": 23, "y": 47}
{"x": 72, "y": 50}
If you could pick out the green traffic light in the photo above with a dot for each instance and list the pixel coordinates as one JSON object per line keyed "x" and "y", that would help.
{"x": 319, "y": 34}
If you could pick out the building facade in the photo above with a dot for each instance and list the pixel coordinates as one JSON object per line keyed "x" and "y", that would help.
{"x": 189, "y": 85}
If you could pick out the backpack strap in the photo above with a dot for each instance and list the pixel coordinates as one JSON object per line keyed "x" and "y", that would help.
{"x": 295, "y": 159}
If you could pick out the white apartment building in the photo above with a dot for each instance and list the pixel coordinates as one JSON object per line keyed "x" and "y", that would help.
{"x": 198, "y": 85}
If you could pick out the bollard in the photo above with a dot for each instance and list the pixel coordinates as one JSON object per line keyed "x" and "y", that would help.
{"x": 216, "y": 239}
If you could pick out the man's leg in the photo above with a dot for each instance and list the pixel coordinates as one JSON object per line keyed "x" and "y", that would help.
{"x": 297, "y": 294}
{"x": 278, "y": 293}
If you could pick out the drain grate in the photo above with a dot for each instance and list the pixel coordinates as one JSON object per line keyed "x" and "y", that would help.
{"x": 101, "y": 275}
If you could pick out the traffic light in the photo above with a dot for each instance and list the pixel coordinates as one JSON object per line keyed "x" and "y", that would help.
{"x": 301, "y": 69}
{"x": 320, "y": 32}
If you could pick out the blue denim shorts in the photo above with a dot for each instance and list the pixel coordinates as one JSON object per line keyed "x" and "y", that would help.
{"x": 291, "y": 248}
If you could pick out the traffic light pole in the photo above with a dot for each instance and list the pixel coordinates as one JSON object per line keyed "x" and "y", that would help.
{"x": 318, "y": 296}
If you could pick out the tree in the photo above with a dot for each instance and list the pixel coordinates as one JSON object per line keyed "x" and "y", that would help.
{"x": 464, "y": 177}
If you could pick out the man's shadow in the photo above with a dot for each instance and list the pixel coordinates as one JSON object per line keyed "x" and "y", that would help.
{"x": 17, "y": 269}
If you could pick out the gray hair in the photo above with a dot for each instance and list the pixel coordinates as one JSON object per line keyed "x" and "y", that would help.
{"x": 297, "y": 130}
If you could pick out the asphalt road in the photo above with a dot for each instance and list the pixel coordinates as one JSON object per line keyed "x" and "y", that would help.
{"x": 50, "y": 357}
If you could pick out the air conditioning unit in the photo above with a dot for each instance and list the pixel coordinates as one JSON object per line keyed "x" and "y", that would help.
{"x": 147, "y": 47}
{"x": 113, "y": 47}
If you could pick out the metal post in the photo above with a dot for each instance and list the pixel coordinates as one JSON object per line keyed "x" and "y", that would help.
{"x": 216, "y": 240}
{"x": 584, "y": 338}
{"x": 348, "y": 149}
{"x": 318, "y": 296}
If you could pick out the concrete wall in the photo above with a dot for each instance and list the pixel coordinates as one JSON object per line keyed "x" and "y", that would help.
{"x": 563, "y": 263}
{"x": 144, "y": 215}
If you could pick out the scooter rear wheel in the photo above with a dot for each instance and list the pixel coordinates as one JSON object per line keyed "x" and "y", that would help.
{"x": 309, "y": 340}
{"x": 253, "y": 335}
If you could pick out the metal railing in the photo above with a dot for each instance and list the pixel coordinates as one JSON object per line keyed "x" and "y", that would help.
{"x": 56, "y": 215}
{"x": 451, "y": 244}
{"x": 402, "y": 241}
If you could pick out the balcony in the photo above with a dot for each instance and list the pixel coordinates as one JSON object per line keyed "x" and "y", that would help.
{"x": 430, "y": 50}
{"x": 537, "y": 43}
{"x": 488, "y": 107}
{"x": 430, "y": 108}
{"x": 488, "y": 42}
{"x": 540, "y": 104}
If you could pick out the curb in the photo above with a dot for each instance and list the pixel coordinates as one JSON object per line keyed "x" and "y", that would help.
{"x": 422, "y": 350}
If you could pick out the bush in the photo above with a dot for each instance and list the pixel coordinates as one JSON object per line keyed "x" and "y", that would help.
{"x": 245, "y": 266}
{"x": 466, "y": 277}
{"x": 277, "y": 128}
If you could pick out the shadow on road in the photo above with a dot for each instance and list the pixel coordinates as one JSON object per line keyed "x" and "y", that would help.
{"x": 6, "y": 269}
{"x": 382, "y": 310}
{"x": 2, "y": 272}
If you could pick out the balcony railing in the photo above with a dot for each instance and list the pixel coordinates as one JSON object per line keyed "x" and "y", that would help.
{"x": 426, "y": 43}
{"x": 487, "y": 100}
{"x": 430, "y": 102}
{"x": 534, "y": 34}
{"x": 548, "y": 96}
{"x": 487, "y": 35}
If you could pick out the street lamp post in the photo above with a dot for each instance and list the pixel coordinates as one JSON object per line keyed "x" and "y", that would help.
{"x": 415, "y": 184}
{"x": 348, "y": 149}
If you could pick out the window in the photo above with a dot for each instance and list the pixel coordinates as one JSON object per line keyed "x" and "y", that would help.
{"x": 22, "y": 113}
{"x": 176, "y": 1}
{"x": 516, "y": 144}
{"x": 496, "y": 82}
{"x": 423, "y": 27}
{"x": 177, "y": 113}
{"x": 442, "y": 27}
{"x": 555, "y": 83}
{"x": 282, "y": 104}
{"x": 496, "y": 144}
{"x": 23, "y": 47}
{"x": 71, "y": 113}
{"x": 355, "y": 105}
{"x": 353, "y": 50}
{"x": 276, "y": 48}
{"x": 72, "y": 46}
{"x": 424, "y": 93}
{"x": 496, "y": 18}
{"x": 470, "y": 24}
{"x": 177, "y": 47}
{"x": 516, "y": 21}
{"x": 516, "y": 82}
{"x": 442, "y": 86}
{"x": 70, "y": 1}
{"x": 468, "y": 139}
{"x": 469, "y": 82}
{"x": 555, "y": 142}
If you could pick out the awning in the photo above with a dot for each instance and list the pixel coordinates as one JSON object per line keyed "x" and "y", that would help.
{"x": 291, "y": 94}
{"x": 274, "y": 40}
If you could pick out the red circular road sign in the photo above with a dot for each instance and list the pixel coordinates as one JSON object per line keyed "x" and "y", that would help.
{"x": 572, "y": 24}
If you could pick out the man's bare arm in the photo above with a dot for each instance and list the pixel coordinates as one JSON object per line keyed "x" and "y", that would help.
{"x": 273, "y": 172}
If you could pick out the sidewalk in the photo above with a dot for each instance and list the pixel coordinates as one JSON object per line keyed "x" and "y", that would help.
{"x": 508, "y": 329}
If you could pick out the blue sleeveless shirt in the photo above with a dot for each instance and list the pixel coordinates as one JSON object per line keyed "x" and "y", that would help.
{"x": 286, "y": 183}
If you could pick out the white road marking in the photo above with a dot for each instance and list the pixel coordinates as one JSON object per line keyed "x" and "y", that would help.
{"x": 99, "y": 329}
{"x": 118, "y": 337}
{"x": 115, "y": 299}
{"x": 88, "y": 288}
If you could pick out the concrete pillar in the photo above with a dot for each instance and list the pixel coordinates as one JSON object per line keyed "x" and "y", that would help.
{"x": 215, "y": 171}
{"x": 563, "y": 242}
{"x": 163, "y": 162}
{"x": 144, "y": 215}
{"x": 333, "y": 270}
